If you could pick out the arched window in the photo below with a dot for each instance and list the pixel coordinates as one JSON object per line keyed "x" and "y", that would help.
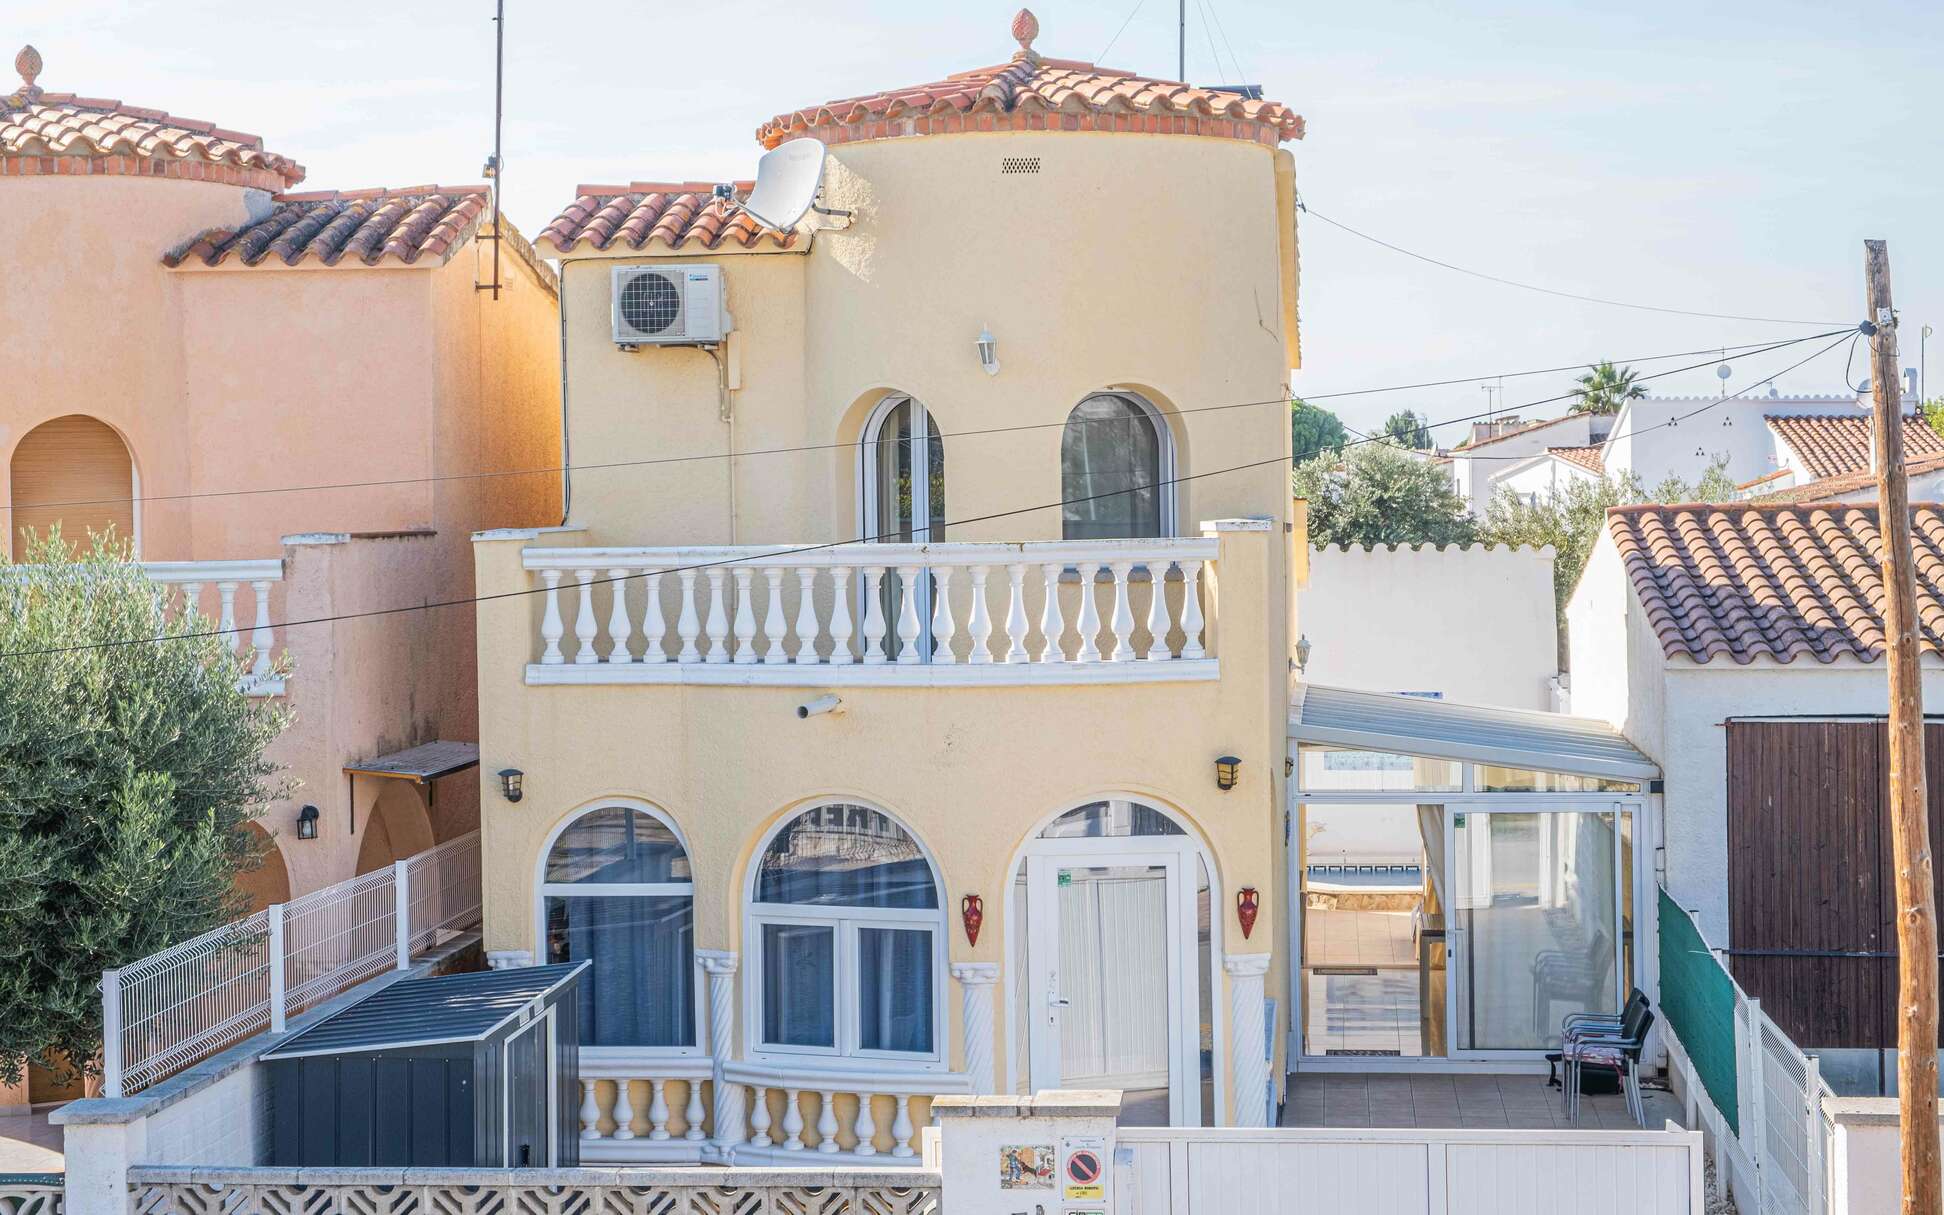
{"x": 846, "y": 923}
{"x": 617, "y": 892}
{"x": 73, "y": 471}
{"x": 1115, "y": 469}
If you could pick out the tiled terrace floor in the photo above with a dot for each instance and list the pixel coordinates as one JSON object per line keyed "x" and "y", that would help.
{"x": 1474, "y": 1102}
{"x": 29, "y": 1145}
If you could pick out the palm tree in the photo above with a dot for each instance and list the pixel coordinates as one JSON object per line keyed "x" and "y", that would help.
{"x": 1604, "y": 389}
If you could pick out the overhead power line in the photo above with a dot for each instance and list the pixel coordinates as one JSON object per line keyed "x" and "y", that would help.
{"x": 1567, "y": 295}
{"x": 813, "y": 548}
{"x": 649, "y": 461}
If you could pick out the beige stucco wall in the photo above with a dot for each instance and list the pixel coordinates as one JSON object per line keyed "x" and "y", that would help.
{"x": 1152, "y": 263}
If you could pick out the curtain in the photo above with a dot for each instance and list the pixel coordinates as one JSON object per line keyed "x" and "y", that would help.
{"x": 1110, "y": 470}
{"x": 800, "y": 985}
{"x": 894, "y": 989}
{"x": 640, "y": 990}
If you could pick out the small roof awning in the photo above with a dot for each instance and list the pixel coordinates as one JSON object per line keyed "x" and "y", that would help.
{"x": 424, "y": 1012}
{"x": 427, "y": 761}
{"x": 1442, "y": 729}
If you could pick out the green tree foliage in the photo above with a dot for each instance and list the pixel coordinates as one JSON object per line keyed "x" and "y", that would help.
{"x": 1313, "y": 430}
{"x": 1571, "y": 520}
{"x": 1933, "y": 413}
{"x": 1377, "y": 493}
{"x": 1408, "y": 429}
{"x": 1604, "y": 389}
{"x": 127, "y": 773}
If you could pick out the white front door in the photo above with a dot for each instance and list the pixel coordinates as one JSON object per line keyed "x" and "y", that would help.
{"x": 1112, "y": 978}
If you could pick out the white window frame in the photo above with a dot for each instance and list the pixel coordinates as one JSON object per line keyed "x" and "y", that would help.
{"x": 545, "y": 890}
{"x": 845, "y": 923}
{"x": 1165, "y": 455}
{"x": 870, "y": 511}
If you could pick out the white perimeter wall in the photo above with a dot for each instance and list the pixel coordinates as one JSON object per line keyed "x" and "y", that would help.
{"x": 1475, "y": 624}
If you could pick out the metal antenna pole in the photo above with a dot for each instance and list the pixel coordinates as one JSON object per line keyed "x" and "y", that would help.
{"x": 1181, "y": 41}
{"x": 498, "y": 165}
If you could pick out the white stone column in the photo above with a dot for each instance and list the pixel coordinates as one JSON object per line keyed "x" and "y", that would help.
{"x": 720, "y": 966}
{"x": 1248, "y": 1038}
{"x": 975, "y": 996}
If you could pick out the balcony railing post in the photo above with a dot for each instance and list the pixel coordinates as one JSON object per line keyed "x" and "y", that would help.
{"x": 402, "y": 896}
{"x": 279, "y": 1000}
{"x": 111, "y": 1034}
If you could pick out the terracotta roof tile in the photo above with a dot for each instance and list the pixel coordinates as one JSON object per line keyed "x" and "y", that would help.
{"x": 1830, "y": 488}
{"x": 1585, "y": 457}
{"x": 1750, "y": 581}
{"x": 1831, "y": 445}
{"x": 413, "y": 226}
{"x": 1036, "y": 93}
{"x": 671, "y": 215}
{"x": 38, "y": 124}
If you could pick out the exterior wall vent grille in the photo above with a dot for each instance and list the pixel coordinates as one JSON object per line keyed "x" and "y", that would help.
{"x": 1009, "y": 165}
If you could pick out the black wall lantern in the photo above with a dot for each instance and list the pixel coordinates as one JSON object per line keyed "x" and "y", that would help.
{"x": 510, "y": 780}
{"x": 307, "y": 823}
{"x": 1228, "y": 770}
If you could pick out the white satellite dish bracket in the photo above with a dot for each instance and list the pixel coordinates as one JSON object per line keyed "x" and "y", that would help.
{"x": 789, "y": 182}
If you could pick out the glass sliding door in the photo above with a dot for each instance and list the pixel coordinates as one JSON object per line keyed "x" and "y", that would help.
{"x": 1537, "y": 922}
{"x": 904, "y": 461}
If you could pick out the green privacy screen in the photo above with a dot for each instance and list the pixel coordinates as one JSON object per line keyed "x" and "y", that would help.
{"x": 1698, "y": 999}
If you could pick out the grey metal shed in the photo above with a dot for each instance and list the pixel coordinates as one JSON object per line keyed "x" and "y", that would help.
{"x": 472, "y": 1070}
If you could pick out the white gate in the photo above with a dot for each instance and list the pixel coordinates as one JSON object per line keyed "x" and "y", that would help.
{"x": 1167, "y": 1171}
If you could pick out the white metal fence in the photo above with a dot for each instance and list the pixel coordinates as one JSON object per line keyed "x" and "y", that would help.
{"x": 175, "y": 1008}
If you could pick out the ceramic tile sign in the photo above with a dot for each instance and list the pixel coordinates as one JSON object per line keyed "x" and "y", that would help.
{"x": 1083, "y": 1170}
{"x": 1026, "y": 1166}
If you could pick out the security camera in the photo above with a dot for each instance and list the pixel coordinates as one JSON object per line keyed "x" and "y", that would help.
{"x": 827, "y": 703}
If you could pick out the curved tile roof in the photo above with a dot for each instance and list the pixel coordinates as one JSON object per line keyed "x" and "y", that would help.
{"x": 670, "y": 215}
{"x": 411, "y": 226}
{"x": 1588, "y": 457}
{"x": 1779, "y": 581}
{"x": 1831, "y": 445}
{"x": 47, "y": 134}
{"x": 1039, "y": 94}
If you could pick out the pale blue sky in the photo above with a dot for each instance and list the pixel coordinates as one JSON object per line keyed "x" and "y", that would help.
{"x": 1716, "y": 156}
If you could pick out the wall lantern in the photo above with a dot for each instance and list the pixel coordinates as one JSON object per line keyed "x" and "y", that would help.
{"x": 307, "y": 823}
{"x": 988, "y": 351}
{"x": 972, "y": 912}
{"x": 1302, "y": 652}
{"x": 510, "y": 781}
{"x": 1228, "y": 770}
{"x": 1247, "y": 903}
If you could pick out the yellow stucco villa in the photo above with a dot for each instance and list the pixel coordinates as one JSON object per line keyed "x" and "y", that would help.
{"x": 902, "y": 707}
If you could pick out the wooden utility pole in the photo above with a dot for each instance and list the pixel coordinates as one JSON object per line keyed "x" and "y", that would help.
{"x": 1909, "y": 811}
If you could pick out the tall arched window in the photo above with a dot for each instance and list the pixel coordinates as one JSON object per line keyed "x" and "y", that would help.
{"x": 617, "y": 892}
{"x": 73, "y": 471}
{"x": 1115, "y": 468}
{"x": 846, "y": 924}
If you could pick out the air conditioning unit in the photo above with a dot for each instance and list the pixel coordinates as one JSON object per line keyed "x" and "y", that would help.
{"x": 668, "y": 305}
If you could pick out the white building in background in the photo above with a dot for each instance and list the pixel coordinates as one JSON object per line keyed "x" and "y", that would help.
{"x": 1504, "y": 444}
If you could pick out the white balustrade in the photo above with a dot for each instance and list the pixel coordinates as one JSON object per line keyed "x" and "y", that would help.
{"x": 634, "y": 1107}
{"x": 185, "y": 582}
{"x": 1066, "y": 612}
{"x": 854, "y": 1115}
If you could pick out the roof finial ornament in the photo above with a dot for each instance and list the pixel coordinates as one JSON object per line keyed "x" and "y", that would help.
{"x": 28, "y": 64}
{"x": 1025, "y": 28}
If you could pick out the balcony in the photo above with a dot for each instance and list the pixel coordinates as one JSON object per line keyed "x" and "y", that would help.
{"x": 910, "y": 615}
{"x": 194, "y": 580}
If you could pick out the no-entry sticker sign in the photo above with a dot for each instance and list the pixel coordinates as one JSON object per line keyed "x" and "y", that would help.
{"x": 1082, "y": 1171}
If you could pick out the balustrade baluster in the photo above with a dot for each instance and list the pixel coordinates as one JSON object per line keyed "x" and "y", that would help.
{"x": 1157, "y": 621}
{"x": 550, "y": 625}
{"x": 657, "y": 1109}
{"x": 979, "y": 624}
{"x": 873, "y": 615}
{"x": 262, "y": 638}
{"x": 590, "y": 1111}
{"x": 901, "y": 1128}
{"x": 1191, "y": 613}
{"x": 620, "y": 627}
{"x": 792, "y": 1120}
{"x": 1089, "y": 623}
{"x": 653, "y": 627}
{"x": 191, "y": 597}
{"x": 866, "y": 1128}
{"x": 584, "y": 619}
{"x": 623, "y": 1110}
{"x": 759, "y": 1116}
{"x": 1052, "y": 625}
{"x": 745, "y": 616}
{"x": 909, "y": 638}
{"x": 1123, "y": 621}
{"x": 1016, "y": 626}
{"x": 840, "y": 617}
{"x": 226, "y": 591}
{"x": 693, "y": 1114}
{"x": 944, "y": 628}
{"x": 689, "y": 626}
{"x": 718, "y": 621}
{"x": 773, "y": 626}
{"x": 806, "y": 621}
{"x": 827, "y": 1123}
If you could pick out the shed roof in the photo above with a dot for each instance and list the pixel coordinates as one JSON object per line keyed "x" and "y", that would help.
{"x": 427, "y": 1012}
{"x": 427, "y": 761}
{"x": 1443, "y": 729}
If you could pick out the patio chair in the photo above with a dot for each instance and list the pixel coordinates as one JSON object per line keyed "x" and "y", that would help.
{"x": 1569, "y": 976}
{"x": 1579, "y": 1024}
{"x": 1617, "y": 1052}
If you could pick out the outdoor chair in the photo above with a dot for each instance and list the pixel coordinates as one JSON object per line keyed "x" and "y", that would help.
{"x": 1618, "y": 1052}
{"x": 1569, "y": 976}
{"x": 1578, "y": 1024}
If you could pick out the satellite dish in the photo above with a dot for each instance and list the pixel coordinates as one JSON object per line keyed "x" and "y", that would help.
{"x": 787, "y": 180}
